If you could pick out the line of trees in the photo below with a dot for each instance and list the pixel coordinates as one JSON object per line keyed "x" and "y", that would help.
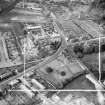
{"x": 80, "y": 49}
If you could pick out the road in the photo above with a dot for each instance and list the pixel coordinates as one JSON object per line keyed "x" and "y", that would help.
{"x": 47, "y": 60}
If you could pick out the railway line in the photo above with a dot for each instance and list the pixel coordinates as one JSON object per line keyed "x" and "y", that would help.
{"x": 47, "y": 60}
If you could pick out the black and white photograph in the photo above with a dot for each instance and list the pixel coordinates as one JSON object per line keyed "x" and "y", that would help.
{"x": 52, "y": 52}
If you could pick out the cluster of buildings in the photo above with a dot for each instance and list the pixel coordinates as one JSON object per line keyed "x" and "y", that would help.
{"x": 40, "y": 98}
{"x": 32, "y": 44}
{"x": 29, "y": 47}
{"x": 23, "y": 48}
{"x": 12, "y": 47}
{"x": 11, "y": 50}
{"x": 38, "y": 41}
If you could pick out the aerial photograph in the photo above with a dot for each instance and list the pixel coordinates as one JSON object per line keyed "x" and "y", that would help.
{"x": 52, "y": 52}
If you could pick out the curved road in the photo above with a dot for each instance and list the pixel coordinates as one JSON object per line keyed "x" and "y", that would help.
{"x": 47, "y": 60}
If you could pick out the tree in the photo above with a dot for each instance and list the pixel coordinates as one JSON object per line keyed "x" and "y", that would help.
{"x": 63, "y": 73}
{"x": 55, "y": 45}
{"x": 78, "y": 48}
{"x": 49, "y": 70}
{"x": 103, "y": 47}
